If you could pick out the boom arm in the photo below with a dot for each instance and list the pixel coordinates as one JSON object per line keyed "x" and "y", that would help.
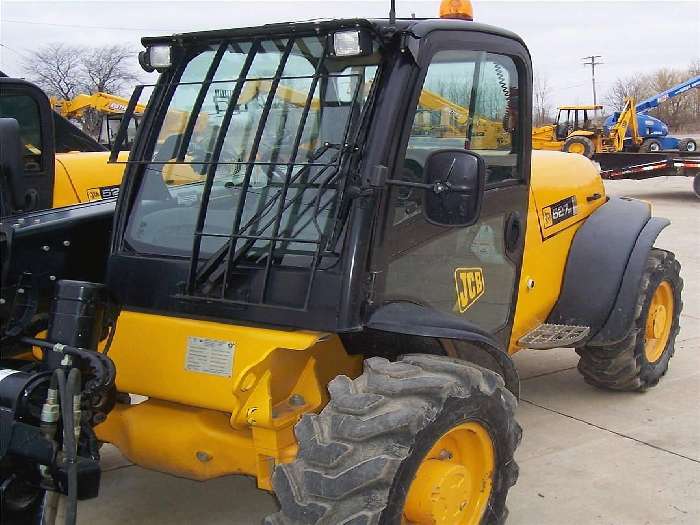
{"x": 627, "y": 119}
{"x": 654, "y": 101}
{"x": 102, "y": 102}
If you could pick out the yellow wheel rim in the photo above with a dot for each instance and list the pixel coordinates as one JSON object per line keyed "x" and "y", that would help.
{"x": 659, "y": 321}
{"x": 453, "y": 483}
{"x": 577, "y": 148}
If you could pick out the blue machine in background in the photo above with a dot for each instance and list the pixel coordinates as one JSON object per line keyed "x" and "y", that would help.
{"x": 651, "y": 129}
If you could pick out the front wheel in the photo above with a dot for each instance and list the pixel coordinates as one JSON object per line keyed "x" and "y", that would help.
{"x": 641, "y": 359}
{"x": 581, "y": 145}
{"x": 650, "y": 146}
{"x": 424, "y": 440}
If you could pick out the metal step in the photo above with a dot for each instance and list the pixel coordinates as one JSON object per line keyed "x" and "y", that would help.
{"x": 548, "y": 336}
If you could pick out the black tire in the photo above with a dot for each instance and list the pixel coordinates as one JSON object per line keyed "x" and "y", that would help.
{"x": 650, "y": 146}
{"x": 687, "y": 145}
{"x": 624, "y": 365}
{"x": 588, "y": 146}
{"x": 696, "y": 185}
{"x": 358, "y": 456}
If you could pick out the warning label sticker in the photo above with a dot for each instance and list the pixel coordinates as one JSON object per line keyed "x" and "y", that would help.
{"x": 209, "y": 356}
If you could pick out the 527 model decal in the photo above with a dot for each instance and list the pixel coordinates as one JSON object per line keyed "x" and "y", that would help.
{"x": 559, "y": 211}
{"x": 103, "y": 192}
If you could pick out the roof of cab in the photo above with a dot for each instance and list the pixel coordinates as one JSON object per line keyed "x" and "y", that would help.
{"x": 418, "y": 27}
{"x": 589, "y": 107}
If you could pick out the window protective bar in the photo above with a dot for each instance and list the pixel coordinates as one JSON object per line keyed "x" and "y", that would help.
{"x": 123, "y": 127}
{"x": 209, "y": 272}
{"x": 197, "y": 107}
{"x": 221, "y": 136}
{"x": 290, "y": 169}
{"x": 253, "y": 154}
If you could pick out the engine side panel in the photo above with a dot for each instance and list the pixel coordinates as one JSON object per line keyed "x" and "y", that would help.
{"x": 87, "y": 177}
{"x": 555, "y": 178}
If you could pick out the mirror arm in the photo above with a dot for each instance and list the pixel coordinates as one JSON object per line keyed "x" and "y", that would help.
{"x": 399, "y": 182}
{"x": 438, "y": 187}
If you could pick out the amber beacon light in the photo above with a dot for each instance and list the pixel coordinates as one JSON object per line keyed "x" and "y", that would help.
{"x": 461, "y": 9}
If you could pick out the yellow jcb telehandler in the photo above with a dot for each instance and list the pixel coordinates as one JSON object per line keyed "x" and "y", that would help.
{"x": 61, "y": 165}
{"x": 308, "y": 316}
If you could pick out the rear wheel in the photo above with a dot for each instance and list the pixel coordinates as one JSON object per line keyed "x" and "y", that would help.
{"x": 687, "y": 145}
{"x": 581, "y": 145}
{"x": 425, "y": 440}
{"x": 641, "y": 359}
{"x": 650, "y": 146}
{"x": 696, "y": 185}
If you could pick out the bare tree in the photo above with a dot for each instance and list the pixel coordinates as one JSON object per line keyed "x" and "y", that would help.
{"x": 674, "y": 111}
{"x": 57, "y": 68}
{"x": 636, "y": 87}
{"x": 108, "y": 69}
{"x": 105, "y": 69}
{"x": 679, "y": 113}
{"x": 541, "y": 96}
{"x": 694, "y": 125}
{"x": 65, "y": 71}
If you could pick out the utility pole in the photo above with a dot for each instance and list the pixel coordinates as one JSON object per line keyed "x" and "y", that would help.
{"x": 593, "y": 63}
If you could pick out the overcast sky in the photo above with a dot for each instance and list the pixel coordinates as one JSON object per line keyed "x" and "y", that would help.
{"x": 632, "y": 37}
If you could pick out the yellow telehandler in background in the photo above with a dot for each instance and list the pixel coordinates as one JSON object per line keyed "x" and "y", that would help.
{"x": 62, "y": 165}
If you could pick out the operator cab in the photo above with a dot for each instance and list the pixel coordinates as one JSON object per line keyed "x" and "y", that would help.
{"x": 279, "y": 164}
{"x": 109, "y": 127}
{"x": 575, "y": 118}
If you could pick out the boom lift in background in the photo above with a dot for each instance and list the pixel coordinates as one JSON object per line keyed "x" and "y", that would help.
{"x": 653, "y": 131}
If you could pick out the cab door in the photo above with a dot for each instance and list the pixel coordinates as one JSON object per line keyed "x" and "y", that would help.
{"x": 27, "y": 104}
{"x": 472, "y": 93}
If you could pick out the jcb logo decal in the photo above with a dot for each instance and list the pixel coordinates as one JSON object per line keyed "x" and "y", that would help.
{"x": 470, "y": 286}
{"x": 93, "y": 194}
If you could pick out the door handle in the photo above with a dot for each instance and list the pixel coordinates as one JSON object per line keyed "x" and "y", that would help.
{"x": 513, "y": 231}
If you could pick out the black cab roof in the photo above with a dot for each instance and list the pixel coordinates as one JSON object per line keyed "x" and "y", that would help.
{"x": 418, "y": 27}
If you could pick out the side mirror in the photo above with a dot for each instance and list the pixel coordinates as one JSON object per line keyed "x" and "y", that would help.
{"x": 456, "y": 178}
{"x": 11, "y": 162}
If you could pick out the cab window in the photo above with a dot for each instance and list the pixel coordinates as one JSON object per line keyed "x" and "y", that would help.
{"x": 469, "y": 100}
{"x": 25, "y": 110}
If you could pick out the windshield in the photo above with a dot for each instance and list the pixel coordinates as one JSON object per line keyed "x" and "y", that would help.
{"x": 247, "y": 164}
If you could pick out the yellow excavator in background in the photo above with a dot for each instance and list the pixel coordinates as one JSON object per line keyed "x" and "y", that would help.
{"x": 110, "y": 107}
{"x": 576, "y": 131}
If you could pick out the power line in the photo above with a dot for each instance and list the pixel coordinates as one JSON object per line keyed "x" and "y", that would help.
{"x": 112, "y": 28}
{"x": 18, "y": 53}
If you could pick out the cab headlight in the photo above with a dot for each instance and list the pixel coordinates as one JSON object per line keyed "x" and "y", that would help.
{"x": 355, "y": 42}
{"x": 157, "y": 57}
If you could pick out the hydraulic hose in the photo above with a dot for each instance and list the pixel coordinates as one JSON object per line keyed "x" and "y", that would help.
{"x": 105, "y": 371}
{"x": 68, "y": 389}
{"x": 50, "y": 501}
